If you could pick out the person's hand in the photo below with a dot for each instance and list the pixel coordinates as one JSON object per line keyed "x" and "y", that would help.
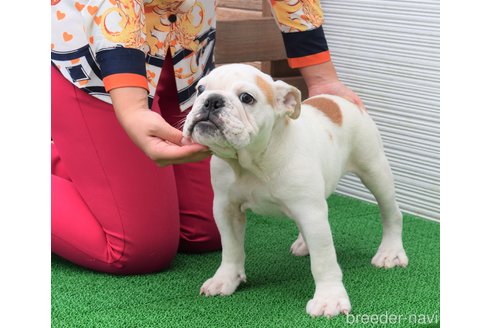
{"x": 336, "y": 88}
{"x": 150, "y": 132}
{"x": 160, "y": 141}
{"x": 322, "y": 79}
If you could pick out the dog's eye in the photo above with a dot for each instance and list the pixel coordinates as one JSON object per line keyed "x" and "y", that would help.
{"x": 246, "y": 98}
{"x": 200, "y": 89}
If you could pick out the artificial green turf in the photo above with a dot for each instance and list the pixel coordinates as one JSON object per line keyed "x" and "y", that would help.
{"x": 278, "y": 287}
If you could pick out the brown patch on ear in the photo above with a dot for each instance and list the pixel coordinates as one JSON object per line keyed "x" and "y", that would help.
{"x": 328, "y": 107}
{"x": 266, "y": 88}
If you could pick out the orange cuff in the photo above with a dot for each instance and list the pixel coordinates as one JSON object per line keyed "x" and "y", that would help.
{"x": 309, "y": 60}
{"x": 125, "y": 80}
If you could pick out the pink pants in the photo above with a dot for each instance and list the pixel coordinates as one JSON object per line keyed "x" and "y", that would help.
{"x": 113, "y": 209}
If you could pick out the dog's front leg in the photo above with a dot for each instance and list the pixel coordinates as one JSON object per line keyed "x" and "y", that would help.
{"x": 330, "y": 297}
{"x": 231, "y": 223}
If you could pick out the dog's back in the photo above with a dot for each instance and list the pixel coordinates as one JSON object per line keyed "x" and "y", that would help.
{"x": 343, "y": 130}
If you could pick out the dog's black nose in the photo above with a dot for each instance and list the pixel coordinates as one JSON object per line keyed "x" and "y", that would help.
{"x": 213, "y": 102}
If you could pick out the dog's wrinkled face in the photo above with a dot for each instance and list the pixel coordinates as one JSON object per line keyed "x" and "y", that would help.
{"x": 236, "y": 107}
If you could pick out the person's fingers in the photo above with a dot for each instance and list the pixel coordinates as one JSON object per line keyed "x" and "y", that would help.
{"x": 163, "y": 150}
{"x": 350, "y": 97}
{"x": 181, "y": 154}
{"x": 356, "y": 100}
{"x": 187, "y": 141}
{"x": 353, "y": 97}
{"x": 165, "y": 131}
{"x": 194, "y": 158}
{"x": 360, "y": 104}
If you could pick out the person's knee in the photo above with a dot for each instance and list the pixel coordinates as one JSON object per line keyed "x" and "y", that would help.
{"x": 136, "y": 264}
{"x": 202, "y": 238}
{"x": 146, "y": 257}
{"x": 57, "y": 167}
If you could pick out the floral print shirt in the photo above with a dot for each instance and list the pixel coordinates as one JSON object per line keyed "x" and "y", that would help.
{"x": 99, "y": 45}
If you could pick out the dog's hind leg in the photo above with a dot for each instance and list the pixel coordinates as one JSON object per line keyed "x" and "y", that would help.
{"x": 375, "y": 173}
{"x": 299, "y": 247}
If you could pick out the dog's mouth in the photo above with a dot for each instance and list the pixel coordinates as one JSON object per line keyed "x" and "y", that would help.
{"x": 205, "y": 124}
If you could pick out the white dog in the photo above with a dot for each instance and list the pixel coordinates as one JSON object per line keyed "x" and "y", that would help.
{"x": 274, "y": 155}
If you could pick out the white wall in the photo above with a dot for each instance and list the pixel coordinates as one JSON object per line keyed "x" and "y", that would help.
{"x": 388, "y": 52}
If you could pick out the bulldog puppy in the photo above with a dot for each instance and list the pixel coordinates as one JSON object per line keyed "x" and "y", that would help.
{"x": 274, "y": 155}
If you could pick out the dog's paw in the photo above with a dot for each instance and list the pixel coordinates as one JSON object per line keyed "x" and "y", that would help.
{"x": 222, "y": 284}
{"x": 329, "y": 302}
{"x": 299, "y": 247}
{"x": 389, "y": 257}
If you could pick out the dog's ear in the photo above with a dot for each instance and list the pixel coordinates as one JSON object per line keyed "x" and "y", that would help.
{"x": 288, "y": 99}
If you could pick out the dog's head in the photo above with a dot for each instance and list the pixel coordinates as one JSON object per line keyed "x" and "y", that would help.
{"x": 237, "y": 107}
